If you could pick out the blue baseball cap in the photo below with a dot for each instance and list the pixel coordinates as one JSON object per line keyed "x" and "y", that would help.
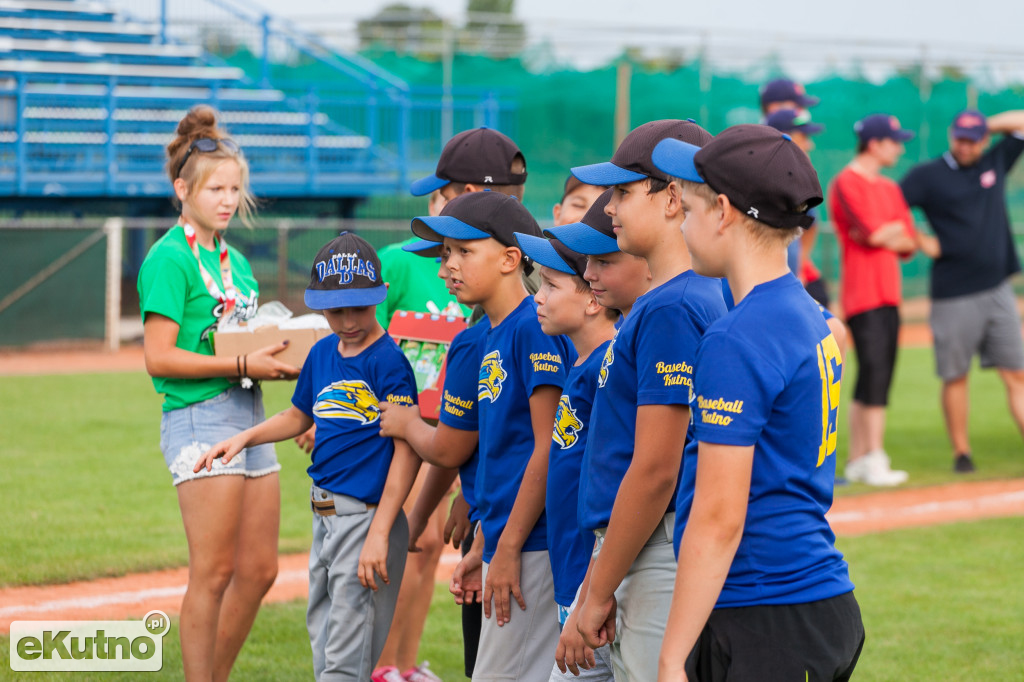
{"x": 423, "y": 247}
{"x": 481, "y": 156}
{"x": 786, "y": 90}
{"x": 761, "y": 170}
{"x": 345, "y": 274}
{"x": 632, "y": 160}
{"x": 594, "y": 234}
{"x": 880, "y": 127}
{"x": 969, "y": 124}
{"x": 789, "y": 120}
{"x": 553, "y": 254}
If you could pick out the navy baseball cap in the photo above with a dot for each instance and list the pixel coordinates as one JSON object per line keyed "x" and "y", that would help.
{"x": 345, "y": 274}
{"x": 788, "y": 120}
{"x": 481, "y": 156}
{"x": 762, "y": 171}
{"x": 969, "y": 124}
{"x": 553, "y": 254}
{"x": 632, "y": 160}
{"x": 785, "y": 90}
{"x": 478, "y": 215}
{"x": 594, "y": 234}
{"x": 880, "y": 127}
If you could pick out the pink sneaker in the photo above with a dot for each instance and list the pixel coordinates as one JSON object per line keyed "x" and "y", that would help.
{"x": 421, "y": 673}
{"x": 388, "y": 673}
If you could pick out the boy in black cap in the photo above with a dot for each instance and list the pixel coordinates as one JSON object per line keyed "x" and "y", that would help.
{"x": 521, "y": 376}
{"x": 641, "y": 411}
{"x": 360, "y": 480}
{"x": 475, "y": 160}
{"x": 761, "y": 591}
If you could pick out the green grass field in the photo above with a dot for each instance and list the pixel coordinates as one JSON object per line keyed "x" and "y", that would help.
{"x": 86, "y": 494}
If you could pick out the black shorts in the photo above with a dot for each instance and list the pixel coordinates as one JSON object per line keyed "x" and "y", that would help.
{"x": 875, "y": 336}
{"x": 815, "y": 642}
{"x": 818, "y": 290}
{"x": 472, "y": 617}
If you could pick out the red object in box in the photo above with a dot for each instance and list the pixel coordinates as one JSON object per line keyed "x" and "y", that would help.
{"x": 430, "y": 334}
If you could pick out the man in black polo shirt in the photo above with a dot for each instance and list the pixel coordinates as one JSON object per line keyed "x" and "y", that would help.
{"x": 963, "y": 195}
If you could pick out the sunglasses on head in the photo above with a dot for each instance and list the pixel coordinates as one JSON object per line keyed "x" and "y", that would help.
{"x": 207, "y": 145}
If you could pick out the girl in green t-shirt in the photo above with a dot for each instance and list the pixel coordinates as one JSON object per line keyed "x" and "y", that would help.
{"x": 190, "y": 281}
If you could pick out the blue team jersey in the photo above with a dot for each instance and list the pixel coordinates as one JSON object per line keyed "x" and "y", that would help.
{"x": 518, "y": 358}
{"x": 768, "y": 375}
{"x": 342, "y": 396}
{"x": 569, "y": 546}
{"x": 650, "y": 362}
{"x": 458, "y": 399}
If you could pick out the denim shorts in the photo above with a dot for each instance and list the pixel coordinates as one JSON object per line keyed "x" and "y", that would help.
{"x": 186, "y": 433}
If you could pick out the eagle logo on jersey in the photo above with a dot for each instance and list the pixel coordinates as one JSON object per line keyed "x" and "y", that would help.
{"x": 349, "y": 399}
{"x": 609, "y": 358}
{"x": 567, "y": 424}
{"x": 491, "y": 376}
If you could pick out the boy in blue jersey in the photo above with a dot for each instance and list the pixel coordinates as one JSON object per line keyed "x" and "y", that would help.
{"x": 641, "y": 411}
{"x": 520, "y": 378}
{"x": 446, "y": 447}
{"x": 616, "y": 278}
{"x": 359, "y": 480}
{"x": 566, "y": 305}
{"x": 761, "y": 592}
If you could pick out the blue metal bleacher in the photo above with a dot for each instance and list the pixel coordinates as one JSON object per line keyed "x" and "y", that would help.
{"x": 90, "y": 98}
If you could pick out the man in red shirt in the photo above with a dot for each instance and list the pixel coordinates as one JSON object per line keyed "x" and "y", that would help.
{"x": 875, "y": 229}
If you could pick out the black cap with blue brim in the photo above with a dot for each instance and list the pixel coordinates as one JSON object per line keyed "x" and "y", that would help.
{"x": 478, "y": 215}
{"x": 761, "y": 170}
{"x": 591, "y": 236}
{"x": 345, "y": 274}
{"x": 552, "y": 253}
{"x": 632, "y": 160}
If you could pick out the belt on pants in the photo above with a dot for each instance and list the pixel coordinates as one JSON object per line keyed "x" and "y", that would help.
{"x": 325, "y": 507}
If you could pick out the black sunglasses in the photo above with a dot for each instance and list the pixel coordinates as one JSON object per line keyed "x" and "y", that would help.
{"x": 206, "y": 145}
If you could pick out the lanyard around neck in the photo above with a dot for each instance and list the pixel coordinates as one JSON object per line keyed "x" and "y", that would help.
{"x": 228, "y": 296}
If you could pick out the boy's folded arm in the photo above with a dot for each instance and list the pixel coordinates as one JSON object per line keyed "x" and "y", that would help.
{"x": 712, "y": 535}
{"x": 644, "y": 495}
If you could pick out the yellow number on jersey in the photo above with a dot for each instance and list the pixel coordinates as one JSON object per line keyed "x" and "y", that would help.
{"x": 830, "y": 362}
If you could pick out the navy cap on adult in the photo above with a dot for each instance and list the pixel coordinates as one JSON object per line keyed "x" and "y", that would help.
{"x": 881, "y": 127}
{"x": 478, "y": 215}
{"x": 790, "y": 120}
{"x": 345, "y": 274}
{"x": 761, "y": 170}
{"x": 632, "y": 160}
{"x": 786, "y": 90}
{"x": 969, "y": 124}
{"x": 553, "y": 254}
{"x": 594, "y": 234}
{"x": 481, "y": 156}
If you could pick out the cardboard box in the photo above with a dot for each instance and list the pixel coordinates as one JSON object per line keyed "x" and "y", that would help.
{"x": 424, "y": 338}
{"x": 300, "y": 341}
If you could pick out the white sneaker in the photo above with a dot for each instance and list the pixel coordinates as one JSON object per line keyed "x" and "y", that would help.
{"x": 873, "y": 469}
